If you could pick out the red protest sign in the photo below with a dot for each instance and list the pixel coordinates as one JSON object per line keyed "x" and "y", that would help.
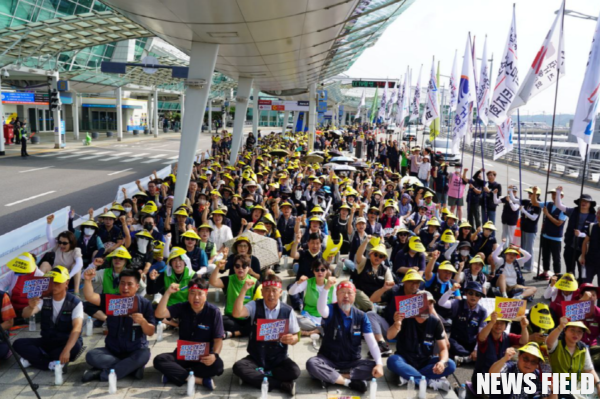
{"x": 192, "y": 351}
{"x": 412, "y": 305}
{"x": 271, "y": 330}
{"x": 576, "y": 310}
{"x": 36, "y": 287}
{"x": 117, "y": 305}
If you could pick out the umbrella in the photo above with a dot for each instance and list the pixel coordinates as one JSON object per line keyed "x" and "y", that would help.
{"x": 341, "y": 159}
{"x": 336, "y": 132}
{"x": 410, "y": 180}
{"x": 335, "y": 153}
{"x": 280, "y": 152}
{"x": 264, "y": 248}
{"x": 314, "y": 157}
{"x": 340, "y": 168}
{"x": 360, "y": 165}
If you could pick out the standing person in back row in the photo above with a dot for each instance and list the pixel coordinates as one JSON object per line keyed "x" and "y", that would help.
{"x": 456, "y": 190}
{"x": 553, "y": 226}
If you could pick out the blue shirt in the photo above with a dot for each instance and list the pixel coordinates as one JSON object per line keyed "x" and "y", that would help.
{"x": 366, "y": 325}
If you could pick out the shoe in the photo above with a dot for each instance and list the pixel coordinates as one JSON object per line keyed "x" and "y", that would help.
{"x": 384, "y": 349}
{"x": 208, "y": 384}
{"x": 91, "y": 375}
{"x": 338, "y": 269}
{"x": 519, "y": 296}
{"x": 139, "y": 373}
{"x": 288, "y": 387}
{"x": 228, "y": 335}
{"x": 358, "y": 385}
{"x": 402, "y": 381}
{"x": 462, "y": 360}
{"x": 164, "y": 379}
{"x": 25, "y": 363}
{"x": 441, "y": 384}
{"x": 98, "y": 323}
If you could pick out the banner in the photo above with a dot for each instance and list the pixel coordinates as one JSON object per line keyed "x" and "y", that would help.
{"x": 412, "y": 305}
{"x": 435, "y": 128}
{"x": 392, "y": 100}
{"x": 432, "y": 107}
{"x": 414, "y": 112}
{"x": 483, "y": 91}
{"x": 117, "y": 305}
{"x": 454, "y": 82}
{"x": 510, "y": 309}
{"x": 192, "y": 351}
{"x": 271, "y": 329}
{"x": 504, "y": 138}
{"x": 37, "y": 287}
{"x": 373, "y": 115}
{"x": 383, "y": 104}
{"x": 466, "y": 97}
{"x": 576, "y": 310}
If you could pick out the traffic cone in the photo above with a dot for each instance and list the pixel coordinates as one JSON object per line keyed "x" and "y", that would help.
{"x": 517, "y": 238}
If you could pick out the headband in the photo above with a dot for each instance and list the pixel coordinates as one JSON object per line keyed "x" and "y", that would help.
{"x": 271, "y": 283}
{"x": 346, "y": 285}
{"x": 195, "y": 287}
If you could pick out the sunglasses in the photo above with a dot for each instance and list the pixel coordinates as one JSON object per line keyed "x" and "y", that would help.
{"x": 473, "y": 293}
{"x": 190, "y": 239}
{"x": 63, "y": 242}
{"x": 403, "y": 234}
{"x": 238, "y": 266}
{"x": 320, "y": 270}
{"x": 380, "y": 256}
{"x": 533, "y": 361}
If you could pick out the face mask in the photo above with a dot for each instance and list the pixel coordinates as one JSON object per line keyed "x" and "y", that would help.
{"x": 127, "y": 209}
{"x": 298, "y": 194}
{"x": 88, "y": 232}
{"x": 464, "y": 253}
{"x": 249, "y": 204}
{"x": 202, "y": 201}
{"x": 148, "y": 226}
{"x": 142, "y": 245}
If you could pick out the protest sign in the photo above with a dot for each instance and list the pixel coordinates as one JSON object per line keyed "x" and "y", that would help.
{"x": 271, "y": 330}
{"x": 412, "y": 305}
{"x": 36, "y": 287}
{"x": 117, "y": 305}
{"x": 510, "y": 309}
{"x": 576, "y": 310}
{"x": 192, "y": 351}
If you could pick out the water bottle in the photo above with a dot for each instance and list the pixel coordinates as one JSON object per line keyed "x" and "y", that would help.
{"x": 217, "y": 295}
{"x": 264, "y": 389}
{"x": 315, "y": 340}
{"x": 159, "y": 331}
{"x": 286, "y": 264}
{"x": 58, "y": 377}
{"x": 422, "y": 388}
{"x": 32, "y": 326}
{"x": 462, "y": 392}
{"x": 89, "y": 327}
{"x": 373, "y": 389}
{"x": 284, "y": 296}
{"x": 191, "y": 384}
{"x": 411, "y": 387}
{"x": 112, "y": 382}
{"x": 218, "y": 258}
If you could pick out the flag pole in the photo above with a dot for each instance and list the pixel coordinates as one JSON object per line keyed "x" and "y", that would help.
{"x": 519, "y": 138}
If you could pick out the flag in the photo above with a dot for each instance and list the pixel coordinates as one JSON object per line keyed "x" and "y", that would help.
{"x": 432, "y": 107}
{"x": 548, "y": 63}
{"x": 585, "y": 114}
{"x": 382, "y": 113}
{"x": 434, "y": 130}
{"x": 454, "y": 81}
{"x": 507, "y": 82}
{"x": 361, "y": 105}
{"x": 414, "y": 113}
{"x": 373, "y": 116}
{"x": 504, "y": 138}
{"x": 483, "y": 91}
{"x": 403, "y": 101}
{"x": 466, "y": 97}
{"x": 391, "y": 101}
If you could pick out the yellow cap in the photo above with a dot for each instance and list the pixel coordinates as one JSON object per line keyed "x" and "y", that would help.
{"x": 181, "y": 212}
{"x": 317, "y": 209}
{"x": 191, "y": 234}
{"x": 24, "y": 263}
{"x": 465, "y": 224}
{"x": 89, "y": 223}
{"x": 218, "y": 212}
{"x": 176, "y": 252}
{"x": 332, "y": 248}
{"x": 511, "y": 251}
{"x": 578, "y": 324}
{"x": 451, "y": 215}
{"x": 260, "y": 226}
{"x": 448, "y": 237}
{"x": 533, "y": 349}
{"x": 489, "y": 225}
{"x": 108, "y": 214}
{"x": 159, "y": 246}
{"x": 380, "y": 249}
{"x": 120, "y": 252}
{"x": 428, "y": 195}
{"x": 416, "y": 245}
{"x": 215, "y": 192}
{"x": 205, "y": 226}
{"x": 446, "y": 265}
{"x": 433, "y": 222}
{"x": 144, "y": 233}
{"x": 150, "y": 207}
{"x": 267, "y": 218}
{"x": 315, "y": 219}
{"x": 59, "y": 274}
{"x": 477, "y": 259}
{"x": 567, "y": 283}
{"x": 412, "y": 275}
{"x": 117, "y": 207}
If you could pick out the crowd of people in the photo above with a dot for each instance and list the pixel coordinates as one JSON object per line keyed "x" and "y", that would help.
{"x": 353, "y": 240}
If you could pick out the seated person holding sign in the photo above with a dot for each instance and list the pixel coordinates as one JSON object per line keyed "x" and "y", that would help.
{"x": 268, "y": 343}
{"x": 21, "y": 269}
{"x": 339, "y": 358}
{"x": 130, "y": 319}
{"x": 199, "y": 323}
{"x": 62, "y": 321}
{"x": 416, "y": 338}
{"x": 559, "y": 291}
{"x": 592, "y": 322}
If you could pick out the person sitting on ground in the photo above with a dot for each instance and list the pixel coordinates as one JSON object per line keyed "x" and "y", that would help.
{"x": 592, "y": 322}
{"x": 371, "y": 274}
{"x": 468, "y": 319}
{"x": 141, "y": 250}
{"x": 508, "y": 276}
{"x": 430, "y": 233}
{"x": 267, "y": 359}
{"x": 111, "y": 234}
{"x": 559, "y": 291}
{"x": 473, "y": 273}
{"x": 415, "y": 341}
{"x": 126, "y": 345}
{"x": 198, "y": 258}
{"x": 413, "y": 259}
{"x": 357, "y": 235}
{"x": 440, "y": 282}
{"x": 242, "y": 246}
{"x": 484, "y": 241}
{"x": 61, "y": 324}
{"x": 178, "y": 270}
{"x": 232, "y": 285}
{"x": 7, "y": 318}
{"x": 20, "y": 269}
{"x": 199, "y": 321}
{"x": 344, "y": 327}
{"x": 88, "y": 241}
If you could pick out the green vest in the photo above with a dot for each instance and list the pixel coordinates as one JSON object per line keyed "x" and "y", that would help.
{"x": 562, "y": 361}
{"x": 170, "y": 278}
{"x": 233, "y": 291}
{"x": 108, "y": 282}
{"x": 312, "y": 296}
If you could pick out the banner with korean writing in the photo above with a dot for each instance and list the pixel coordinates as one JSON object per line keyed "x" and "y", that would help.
{"x": 576, "y": 310}
{"x": 271, "y": 330}
{"x": 192, "y": 351}
{"x": 504, "y": 138}
{"x": 412, "y": 305}
{"x": 117, "y": 305}
{"x": 510, "y": 309}
{"x": 36, "y": 287}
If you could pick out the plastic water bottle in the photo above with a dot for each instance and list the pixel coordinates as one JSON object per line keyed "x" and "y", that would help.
{"x": 462, "y": 392}
{"x": 264, "y": 389}
{"x": 32, "y": 326}
{"x": 217, "y": 295}
{"x": 422, "y": 388}
{"x": 191, "y": 384}
{"x": 58, "y": 377}
{"x": 284, "y": 296}
{"x": 89, "y": 327}
{"x": 286, "y": 262}
{"x": 112, "y": 382}
{"x": 315, "y": 340}
{"x": 373, "y": 389}
{"x": 159, "y": 331}
{"x": 411, "y": 387}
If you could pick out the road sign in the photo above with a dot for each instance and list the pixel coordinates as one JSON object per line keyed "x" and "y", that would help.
{"x": 372, "y": 84}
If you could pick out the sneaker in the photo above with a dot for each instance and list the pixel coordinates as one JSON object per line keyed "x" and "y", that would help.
{"x": 358, "y": 385}
{"x": 462, "y": 360}
{"x": 519, "y": 296}
{"x": 228, "y": 335}
{"x": 25, "y": 363}
{"x": 139, "y": 373}
{"x": 338, "y": 269}
{"x": 288, "y": 387}
{"x": 441, "y": 384}
{"x": 164, "y": 379}
{"x": 384, "y": 349}
{"x": 90, "y": 375}
{"x": 208, "y": 384}
{"x": 402, "y": 381}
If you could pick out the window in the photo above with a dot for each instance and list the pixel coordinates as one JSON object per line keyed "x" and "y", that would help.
{"x": 66, "y": 7}
{"x": 8, "y": 6}
{"x": 25, "y": 11}
{"x": 5, "y": 20}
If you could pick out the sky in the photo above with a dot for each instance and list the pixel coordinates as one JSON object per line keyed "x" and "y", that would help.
{"x": 440, "y": 27}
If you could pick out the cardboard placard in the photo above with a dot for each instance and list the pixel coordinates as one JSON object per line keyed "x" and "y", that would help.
{"x": 412, "y": 305}
{"x": 117, "y": 305}
{"x": 271, "y": 330}
{"x": 576, "y": 310}
{"x": 37, "y": 287}
{"x": 192, "y": 351}
{"x": 510, "y": 309}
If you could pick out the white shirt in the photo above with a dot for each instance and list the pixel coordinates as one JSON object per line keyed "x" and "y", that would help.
{"x": 293, "y": 327}
{"x": 220, "y": 236}
{"x": 424, "y": 169}
{"x": 57, "y": 306}
{"x": 511, "y": 274}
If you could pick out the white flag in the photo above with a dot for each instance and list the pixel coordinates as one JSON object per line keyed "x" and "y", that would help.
{"x": 383, "y": 103}
{"x": 466, "y": 97}
{"x": 361, "y": 105}
{"x": 544, "y": 70}
{"x": 585, "y": 114}
{"x": 454, "y": 82}
{"x": 432, "y": 106}
{"x": 391, "y": 102}
{"x": 403, "y": 101}
{"x": 504, "y": 138}
{"x": 507, "y": 83}
{"x": 414, "y": 112}
{"x": 483, "y": 91}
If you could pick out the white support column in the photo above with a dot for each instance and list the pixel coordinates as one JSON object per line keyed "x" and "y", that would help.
{"x": 286, "y": 118}
{"x": 75, "y": 108}
{"x": 344, "y": 115}
{"x": 56, "y": 114}
{"x": 2, "y": 150}
{"x": 155, "y": 114}
{"x": 182, "y": 108}
{"x": 209, "y": 116}
{"x": 203, "y": 58}
{"x": 119, "y": 106}
{"x": 312, "y": 110}
{"x": 149, "y": 113}
{"x": 295, "y": 121}
{"x": 255, "y": 112}
{"x": 241, "y": 107}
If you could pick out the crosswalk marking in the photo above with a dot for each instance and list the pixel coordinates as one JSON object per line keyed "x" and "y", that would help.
{"x": 70, "y": 156}
{"x": 53, "y": 154}
{"x": 169, "y": 162}
{"x": 96, "y": 155}
{"x": 131, "y": 159}
{"x": 151, "y": 160}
